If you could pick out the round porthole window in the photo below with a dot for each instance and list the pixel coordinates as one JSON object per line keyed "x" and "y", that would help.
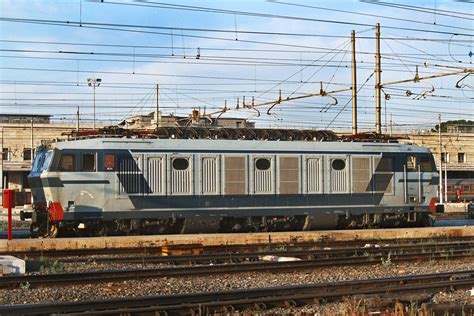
{"x": 262, "y": 164}
{"x": 180, "y": 164}
{"x": 338, "y": 164}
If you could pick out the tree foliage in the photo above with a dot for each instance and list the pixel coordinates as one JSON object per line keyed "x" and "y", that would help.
{"x": 444, "y": 125}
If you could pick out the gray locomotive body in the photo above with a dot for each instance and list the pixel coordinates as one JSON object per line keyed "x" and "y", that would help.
{"x": 110, "y": 186}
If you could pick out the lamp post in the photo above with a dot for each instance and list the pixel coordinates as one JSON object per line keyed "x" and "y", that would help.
{"x": 94, "y": 82}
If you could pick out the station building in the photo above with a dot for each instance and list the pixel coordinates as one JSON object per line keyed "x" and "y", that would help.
{"x": 21, "y": 133}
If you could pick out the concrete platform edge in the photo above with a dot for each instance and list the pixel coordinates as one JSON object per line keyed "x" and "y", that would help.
{"x": 230, "y": 239}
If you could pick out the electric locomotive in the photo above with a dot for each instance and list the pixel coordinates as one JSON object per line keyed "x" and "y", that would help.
{"x": 120, "y": 185}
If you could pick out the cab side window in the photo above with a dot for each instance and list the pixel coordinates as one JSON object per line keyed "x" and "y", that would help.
{"x": 67, "y": 163}
{"x": 427, "y": 164}
{"x": 88, "y": 162}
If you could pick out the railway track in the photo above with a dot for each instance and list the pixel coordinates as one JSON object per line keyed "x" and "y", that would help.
{"x": 62, "y": 279}
{"x": 253, "y": 256}
{"x": 257, "y": 298}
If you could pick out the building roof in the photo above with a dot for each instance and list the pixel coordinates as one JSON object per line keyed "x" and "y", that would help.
{"x": 25, "y": 115}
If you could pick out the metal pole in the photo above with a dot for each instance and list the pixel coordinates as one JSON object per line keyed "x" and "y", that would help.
{"x": 9, "y": 220}
{"x": 157, "y": 109}
{"x": 32, "y": 150}
{"x": 1, "y": 169}
{"x": 378, "y": 81}
{"x": 419, "y": 184}
{"x": 445, "y": 188}
{"x": 77, "y": 126}
{"x": 8, "y": 202}
{"x": 354, "y": 85}
{"x": 405, "y": 189}
{"x": 391, "y": 125}
{"x": 32, "y": 141}
{"x": 93, "y": 124}
{"x": 440, "y": 161}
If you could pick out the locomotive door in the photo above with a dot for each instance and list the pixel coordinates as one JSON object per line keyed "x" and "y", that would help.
{"x": 412, "y": 180}
{"x": 155, "y": 174}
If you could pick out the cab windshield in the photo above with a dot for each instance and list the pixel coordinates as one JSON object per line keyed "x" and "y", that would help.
{"x": 41, "y": 161}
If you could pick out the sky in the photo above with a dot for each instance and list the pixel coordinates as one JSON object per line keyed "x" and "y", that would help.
{"x": 206, "y": 54}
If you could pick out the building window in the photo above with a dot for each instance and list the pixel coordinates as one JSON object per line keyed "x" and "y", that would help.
{"x": 26, "y": 153}
{"x": 5, "y": 154}
{"x": 444, "y": 157}
{"x": 461, "y": 157}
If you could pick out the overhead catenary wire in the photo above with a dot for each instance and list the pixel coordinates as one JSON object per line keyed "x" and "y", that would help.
{"x": 402, "y": 95}
{"x": 377, "y": 16}
{"x": 137, "y": 27}
{"x": 211, "y": 60}
{"x": 319, "y": 50}
{"x": 345, "y": 105}
{"x": 221, "y": 62}
{"x": 146, "y": 85}
{"x": 447, "y": 13}
{"x": 397, "y": 61}
{"x": 335, "y": 51}
{"x": 267, "y": 15}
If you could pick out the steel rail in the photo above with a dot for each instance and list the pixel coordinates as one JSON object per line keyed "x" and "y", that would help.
{"x": 251, "y": 256}
{"x": 62, "y": 279}
{"x": 259, "y": 298}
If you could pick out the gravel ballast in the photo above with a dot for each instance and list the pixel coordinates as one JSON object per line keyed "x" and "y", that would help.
{"x": 192, "y": 284}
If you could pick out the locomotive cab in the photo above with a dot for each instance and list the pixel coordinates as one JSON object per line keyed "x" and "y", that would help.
{"x": 420, "y": 185}
{"x": 40, "y": 165}
{"x": 38, "y": 181}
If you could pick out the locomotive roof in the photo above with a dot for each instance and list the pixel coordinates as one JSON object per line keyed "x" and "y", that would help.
{"x": 233, "y": 145}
